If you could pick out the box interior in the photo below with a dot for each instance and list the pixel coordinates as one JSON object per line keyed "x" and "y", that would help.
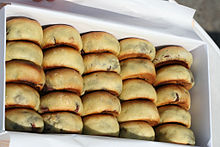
{"x": 200, "y": 108}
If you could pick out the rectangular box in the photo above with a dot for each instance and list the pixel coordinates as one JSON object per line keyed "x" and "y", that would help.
{"x": 200, "y": 97}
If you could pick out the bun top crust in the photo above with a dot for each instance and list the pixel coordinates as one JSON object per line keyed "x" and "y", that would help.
{"x": 136, "y": 47}
{"x": 24, "y": 29}
{"x": 61, "y": 34}
{"x": 173, "y": 55}
{"x": 99, "y": 42}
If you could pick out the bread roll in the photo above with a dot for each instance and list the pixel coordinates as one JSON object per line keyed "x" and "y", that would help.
{"x": 174, "y": 133}
{"x": 175, "y": 74}
{"x": 20, "y": 71}
{"x": 100, "y": 102}
{"x": 20, "y": 95}
{"x": 63, "y": 57}
{"x": 138, "y": 68}
{"x": 173, "y": 94}
{"x": 135, "y": 47}
{"x": 173, "y": 55}
{"x": 64, "y": 79}
{"x": 139, "y": 110}
{"x": 62, "y": 122}
{"x": 25, "y": 51}
{"x": 101, "y": 124}
{"x": 24, "y": 120}
{"x": 101, "y": 62}
{"x": 107, "y": 81}
{"x": 99, "y": 42}
{"x": 61, "y": 34}
{"x": 21, "y": 28}
{"x": 61, "y": 101}
{"x": 138, "y": 89}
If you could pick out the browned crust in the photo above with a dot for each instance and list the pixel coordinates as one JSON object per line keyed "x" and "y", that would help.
{"x": 140, "y": 98}
{"x": 47, "y": 89}
{"x": 46, "y": 110}
{"x": 33, "y": 84}
{"x": 99, "y": 51}
{"x": 181, "y": 82}
{"x": 128, "y": 38}
{"x": 133, "y": 55}
{"x": 57, "y": 43}
{"x": 150, "y": 78}
{"x": 97, "y": 115}
{"x": 25, "y": 40}
{"x": 172, "y": 62}
{"x": 19, "y": 106}
{"x": 106, "y": 111}
{"x": 149, "y": 121}
{"x": 115, "y": 93}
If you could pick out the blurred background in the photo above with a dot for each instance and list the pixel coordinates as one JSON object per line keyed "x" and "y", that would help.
{"x": 207, "y": 15}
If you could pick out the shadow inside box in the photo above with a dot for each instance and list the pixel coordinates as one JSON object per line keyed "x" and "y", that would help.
{"x": 216, "y": 37}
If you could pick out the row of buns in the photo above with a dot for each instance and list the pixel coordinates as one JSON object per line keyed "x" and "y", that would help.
{"x": 109, "y": 71}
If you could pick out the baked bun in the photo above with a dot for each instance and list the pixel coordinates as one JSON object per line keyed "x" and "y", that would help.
{"x": 64, "y": 79}
{"x": 101, "y": 62}
{"x": 61, "y": 101}
{"x": 174, "y": 114}
{"x": 63, "y": 57}
{"x": 21, "y": 28}
{"x": 62, "y": 122}
{"x": 25, "y": 51}
{"x": 20, "y": 95}
{"x": 173, "y": 94}
{"x": 101, "y": 124}
{"x": 173, "y": 55}
{"x": 136, "y": 110}
{"x": 24, "y": 120}
{"x": 99, "y": 42}
{"x": 138, "y": 68}
{"x": 61, "y": 34}
{"x": 138, "y": 89}
{"x": 135, "y": 47}
{"x": 137, "y": 130}
{"x": 20, "y": 71}
{"x": 108, "y": 81}
{"x": 174, "y": 74}
{"x": 100, "y": 102}
{"x": 174, "y": 133}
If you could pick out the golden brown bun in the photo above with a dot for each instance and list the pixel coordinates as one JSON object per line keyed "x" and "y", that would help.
{"x": 63, "y": 57}
{"x": 173, "y": 94}
{"x": 138, "y": 89}
{"x": 24, "y": 29}
{"x": 20, "y": 95}
{"x": 100, "y": 102}
{"x": 174, "y": 114}
{"x": 175, "y": 74}
{"x": 61, "y": 34}
{"x": 138, "y": 68}
{"x": 24, "y": 120}
{"x": 173, "y": 55}
{"x": 99, "y": 42}
{"x": 20, "y": 71}
{"x": 139, "y": 110}
{"x": 101, "y": 62}
{"x": 174, "y": 133}
{"x": 101, "y": 124}
{"x": 137, "y": 130}
{"x": 64, "y": 79}
{"x": 62, "y": 122}
{"x": 107, "y": 81}
{"x": 135, "y": 47}
{"x": 61, "y": 101}
{"x": 25, "y": 51}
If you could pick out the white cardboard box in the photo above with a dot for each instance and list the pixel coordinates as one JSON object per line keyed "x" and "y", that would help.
{"x": 121, "y": 28}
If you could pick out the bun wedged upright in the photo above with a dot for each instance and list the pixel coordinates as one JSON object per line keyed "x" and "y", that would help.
{"x": 24, "y": 51}
{"x": 21, "y": 28}
{"x": 99, "y": 42}
{"x": 63, "y": 57}
{"x": 20, "y": 95}
{"x": 20, "y": 71}
{"x": 136, "y": 48}
{"x": 61, "y": 34}
{"x": 24, "y": 120}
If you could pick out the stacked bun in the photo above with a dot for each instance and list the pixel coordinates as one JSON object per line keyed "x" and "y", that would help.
{"x": 139, "y": 112}
{"x": 61, "y": 106}
{"x": 173, "y": 81}
{"x": 102, "y": 84}
{"x": 24, "y": 75}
